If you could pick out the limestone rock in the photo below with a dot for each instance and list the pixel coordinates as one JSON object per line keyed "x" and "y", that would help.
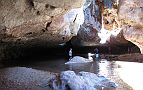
{"x": 135, "y": 35}
{"x": 87, "y": 34}
{"x": 131, "y": 11}
{"x": 86, "y": 81}
{"x": 45, "y": 20}
{"x": 131, "y": 17}
{"x": 78, "y": 59}
{"x": 100, "y": 24}
{"x": 28, "y": 23}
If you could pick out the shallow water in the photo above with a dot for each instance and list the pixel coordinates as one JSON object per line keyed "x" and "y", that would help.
{"x": 114, "y": 70}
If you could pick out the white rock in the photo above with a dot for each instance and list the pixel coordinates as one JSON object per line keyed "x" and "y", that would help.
{"x": 86, "y": 81}
{"x": 78, "y": 59}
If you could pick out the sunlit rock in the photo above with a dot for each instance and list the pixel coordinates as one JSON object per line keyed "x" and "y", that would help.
{"x": 131, "y": 12}
{"x": 78, "y": 59}
{"x": 87, "y": 34}
{"x": 101, "y": 25}
{"x": 86, "y": 81}
{"x": 111, "y": 31}
{"x": 73, "y": 19}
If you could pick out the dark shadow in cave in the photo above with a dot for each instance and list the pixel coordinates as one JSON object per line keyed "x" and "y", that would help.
{"x": 40, "y": 53}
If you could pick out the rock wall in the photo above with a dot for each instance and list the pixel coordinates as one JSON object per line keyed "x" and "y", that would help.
{"x": 88, "y": 32}
{"x": 39, "y": 20}
{"x": 113, "y": 22}
{"x": 131, "y": 17}
{"x": 101, "y": 25}
{"x": 29, "y": 23}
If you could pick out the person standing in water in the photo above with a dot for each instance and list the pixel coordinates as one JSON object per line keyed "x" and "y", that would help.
{"x": 70, "y": 53}
{"x": 68, "y": 49}
{"x": 96, "y": 53}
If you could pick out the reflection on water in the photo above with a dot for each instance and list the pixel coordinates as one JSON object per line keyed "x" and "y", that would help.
{"x": 100, "y": 67}
{"x": 118, "y": 72}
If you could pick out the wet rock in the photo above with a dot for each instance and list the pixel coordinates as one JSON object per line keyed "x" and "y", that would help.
{"x": 133, "y": 57}
{"x": 86, "y": 81}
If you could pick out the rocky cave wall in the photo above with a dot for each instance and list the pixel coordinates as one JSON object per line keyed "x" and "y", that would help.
{"x": 100, "y": 22}
{"x": 131, "y": 17}
{"x": 30, "y": 23}
{"x": 116, "y": 21}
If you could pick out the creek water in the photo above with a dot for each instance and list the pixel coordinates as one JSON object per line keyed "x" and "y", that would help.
{"x": 112, "y": 69}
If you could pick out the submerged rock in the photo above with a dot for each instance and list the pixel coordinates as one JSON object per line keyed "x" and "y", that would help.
{"x": 86, "y": 81}
{"x": 78, "y": 59}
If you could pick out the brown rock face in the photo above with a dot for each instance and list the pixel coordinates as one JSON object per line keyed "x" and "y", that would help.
{"x": 131, "y": 12}
{"x": 112, "y": 24}
{"x": 135, "y": 35}
{"x": 131, "y": 16}
{"x": 29, "y": 23}
{"x": 28, "y": 20}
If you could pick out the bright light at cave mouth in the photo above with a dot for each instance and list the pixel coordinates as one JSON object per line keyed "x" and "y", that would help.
{"x": 106, "y": 34}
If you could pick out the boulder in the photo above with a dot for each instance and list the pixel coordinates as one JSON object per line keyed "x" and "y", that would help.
{"x": 86, "y": 81}
{"x": 78, "y": 59}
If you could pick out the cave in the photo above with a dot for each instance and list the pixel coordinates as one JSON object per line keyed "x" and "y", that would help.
{"x": 71, "y": 44}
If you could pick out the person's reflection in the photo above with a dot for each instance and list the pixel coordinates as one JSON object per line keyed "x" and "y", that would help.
{"x": 95, "y": 67}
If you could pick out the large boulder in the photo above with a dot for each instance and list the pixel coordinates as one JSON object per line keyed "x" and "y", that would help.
{"x": 78, "y": 59}
{"x": 86, "y": 81}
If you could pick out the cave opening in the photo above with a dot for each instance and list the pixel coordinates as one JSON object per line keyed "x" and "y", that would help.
{"x": 68, "y": 45}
